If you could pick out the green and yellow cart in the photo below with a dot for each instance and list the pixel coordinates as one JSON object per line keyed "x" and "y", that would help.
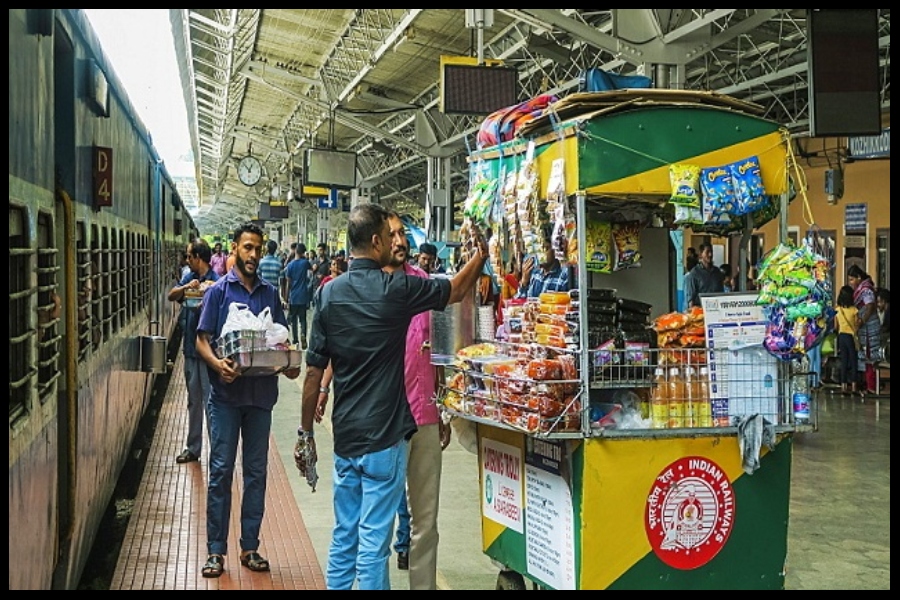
{"x": 661, "y": 509}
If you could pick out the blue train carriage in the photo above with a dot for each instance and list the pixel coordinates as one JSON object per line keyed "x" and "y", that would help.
{"x": 96, "y": 227}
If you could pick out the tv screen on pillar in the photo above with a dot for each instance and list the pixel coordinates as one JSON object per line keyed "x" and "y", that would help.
{"x": 330, "y": 168}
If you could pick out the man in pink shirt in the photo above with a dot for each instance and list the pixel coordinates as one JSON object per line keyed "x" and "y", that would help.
{"x": 423, "y": 474}
{"x": 217, "y": 262}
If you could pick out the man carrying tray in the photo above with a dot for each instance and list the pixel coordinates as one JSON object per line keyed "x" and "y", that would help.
{"x": 240, "y": 407}
{"x": 188, "y": 292}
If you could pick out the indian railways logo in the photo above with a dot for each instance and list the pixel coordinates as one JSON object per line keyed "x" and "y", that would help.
{"x": 689, "y": 513}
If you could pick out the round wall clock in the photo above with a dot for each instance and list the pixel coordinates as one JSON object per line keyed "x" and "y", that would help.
{"x": 249, "y": 170}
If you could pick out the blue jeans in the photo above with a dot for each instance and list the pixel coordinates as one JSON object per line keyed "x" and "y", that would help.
{"x": 403, "y": 528}
{"x": 228, "y": 424}
{"x": 814, "y": 355}
{"x": 367, "y": 490}
{"x": 297, "y": 314}
{"x": 196, "y": 379}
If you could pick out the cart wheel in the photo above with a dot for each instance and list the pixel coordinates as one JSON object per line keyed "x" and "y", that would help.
{"x": 510, "y": 580}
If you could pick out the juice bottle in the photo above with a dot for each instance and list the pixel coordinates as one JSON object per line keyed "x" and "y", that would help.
{"x": 691, "y": 381}
{"x": 677, "y": 397}
{"x": 659, "y": 401}
{"x": 703, "y": 408}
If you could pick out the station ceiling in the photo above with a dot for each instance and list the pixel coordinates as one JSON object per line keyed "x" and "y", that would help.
{"x": 272, "y": 82}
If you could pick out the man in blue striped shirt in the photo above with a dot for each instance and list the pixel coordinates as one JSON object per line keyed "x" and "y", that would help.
{"x": 270, "y": 265}
{"x": 548, "y": 276}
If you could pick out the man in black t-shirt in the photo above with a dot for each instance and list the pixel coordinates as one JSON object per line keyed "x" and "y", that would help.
{"x": 360, "y": 327}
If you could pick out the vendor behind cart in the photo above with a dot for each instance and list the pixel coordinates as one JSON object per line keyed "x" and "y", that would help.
{"x": 704, "y": 278}
{"x": 548, "y": 275}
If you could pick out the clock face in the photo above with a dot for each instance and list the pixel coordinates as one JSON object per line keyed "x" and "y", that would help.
{"x": 249, "y": 170}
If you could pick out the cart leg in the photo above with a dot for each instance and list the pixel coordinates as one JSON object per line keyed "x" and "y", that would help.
{"x": 510, "y": 580}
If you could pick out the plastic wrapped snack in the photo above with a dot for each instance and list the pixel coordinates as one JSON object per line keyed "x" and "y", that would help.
{"x": 685, "y": 185}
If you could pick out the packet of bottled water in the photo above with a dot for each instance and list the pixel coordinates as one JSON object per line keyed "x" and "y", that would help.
{"x": 305, "y": 457}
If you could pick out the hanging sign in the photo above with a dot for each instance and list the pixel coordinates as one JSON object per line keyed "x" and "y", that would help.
{"x": 871, "y": 146}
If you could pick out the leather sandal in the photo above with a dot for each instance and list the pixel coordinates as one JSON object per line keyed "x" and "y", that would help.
{"x": 214, "y": 567}
{"x": 253, "y": 561}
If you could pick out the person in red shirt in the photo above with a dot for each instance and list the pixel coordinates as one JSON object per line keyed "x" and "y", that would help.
{"x": 338, "y": 267}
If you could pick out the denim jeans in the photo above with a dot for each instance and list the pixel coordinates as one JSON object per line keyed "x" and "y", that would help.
{"x": 367, "y": 491}
{"x": 196, "y": 379}
{"x": 228, "y": 424}
{"x": 814, "y": 355}
{"x": 403, "y": 527}
{"x": 297, "y": 313}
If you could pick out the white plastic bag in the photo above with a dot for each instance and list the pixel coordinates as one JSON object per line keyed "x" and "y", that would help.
{"x": 265, "y": 318}
{"x": 276, "y": 333}
{"x": 241, "y": 318}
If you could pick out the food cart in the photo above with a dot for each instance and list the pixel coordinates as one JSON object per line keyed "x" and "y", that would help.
{"x": 627, "y": 463}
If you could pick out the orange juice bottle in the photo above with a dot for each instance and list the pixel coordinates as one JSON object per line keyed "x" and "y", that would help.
{"x": 659, "y": 401}
{"x": 677, "y": 398}
{"x": 703, "y": 409}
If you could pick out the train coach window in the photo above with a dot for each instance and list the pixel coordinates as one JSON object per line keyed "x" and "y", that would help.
{"x": 96, "y": 289}
{"x": 117, "y": 289}
{"x": 49, "y": 309}
{"x": 142, "y": 272}
{"x": 84, "y": 293}
{"x": 106, "y": 289}
{"x": 21, "y": 319}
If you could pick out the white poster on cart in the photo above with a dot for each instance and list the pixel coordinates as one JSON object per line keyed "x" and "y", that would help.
{"x": 743, "y": 376}
{"x": 501, "y": 483}
{"x": 550, "y": 526}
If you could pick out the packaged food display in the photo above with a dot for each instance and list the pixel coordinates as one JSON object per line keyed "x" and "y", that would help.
{"x": 524, "y": 386}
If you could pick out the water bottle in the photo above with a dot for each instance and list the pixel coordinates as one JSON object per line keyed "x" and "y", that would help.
{"x": 800, "y": 397}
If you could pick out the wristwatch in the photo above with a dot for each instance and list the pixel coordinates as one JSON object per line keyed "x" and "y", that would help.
{"x": 323, "y": 390}
{"x": 306, "y": 435}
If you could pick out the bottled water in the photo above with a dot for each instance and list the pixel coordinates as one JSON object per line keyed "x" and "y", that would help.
{"x": 800, "y": 397}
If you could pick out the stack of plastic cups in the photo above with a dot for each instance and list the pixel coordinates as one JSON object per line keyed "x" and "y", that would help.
{"x": 487, "y": 328}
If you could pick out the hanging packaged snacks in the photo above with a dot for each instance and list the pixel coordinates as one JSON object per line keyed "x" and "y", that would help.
{"x": 627, "y": 245}
{"x": 685, "y": 185}
{"x": 479, "y": 201}
{"x": 749, "y": 192}
{"x": 717, "y": 187}
{"x": 599, "y": 246}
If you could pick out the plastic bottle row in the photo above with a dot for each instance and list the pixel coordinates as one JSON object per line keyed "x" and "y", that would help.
{"x": 680, "y": 398}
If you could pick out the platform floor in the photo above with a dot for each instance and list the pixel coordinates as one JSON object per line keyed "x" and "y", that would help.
{"x": 838, "y": 535}
{"x": 165, "y": 542}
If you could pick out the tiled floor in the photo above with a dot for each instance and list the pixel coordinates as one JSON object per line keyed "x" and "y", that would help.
{"x": 165, "y": 543}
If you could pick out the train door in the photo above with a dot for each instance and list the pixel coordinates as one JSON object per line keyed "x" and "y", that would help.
{"x": 64, "y": 85}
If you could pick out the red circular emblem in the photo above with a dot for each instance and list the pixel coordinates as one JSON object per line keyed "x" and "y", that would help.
{"x": 690, "y": 512}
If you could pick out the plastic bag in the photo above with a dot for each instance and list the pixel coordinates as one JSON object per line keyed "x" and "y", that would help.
{"x": 277, "y": 335}
{"x": 241, "y": 318}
